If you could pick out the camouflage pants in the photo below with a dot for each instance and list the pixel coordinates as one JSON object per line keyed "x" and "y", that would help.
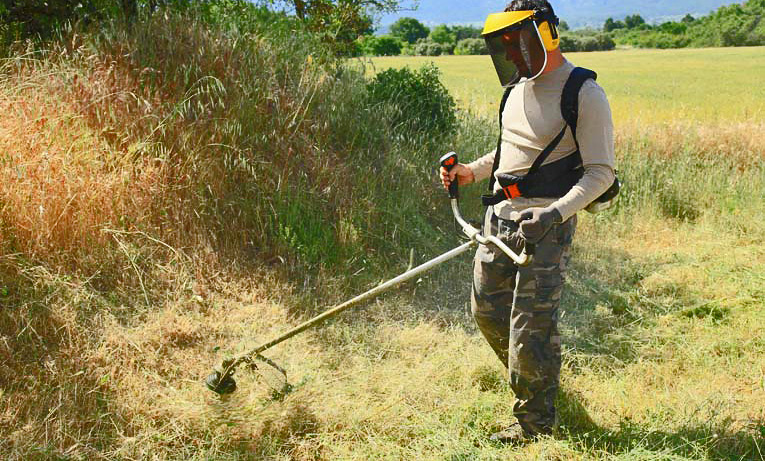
{"x": 516, "y": 309}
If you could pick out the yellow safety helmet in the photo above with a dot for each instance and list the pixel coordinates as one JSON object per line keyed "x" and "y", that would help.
{"x": 518, "y": 42}
{"x": 547, "y": 24}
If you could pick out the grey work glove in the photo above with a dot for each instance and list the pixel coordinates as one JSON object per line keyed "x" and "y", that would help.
{"x": 535, "y": 223}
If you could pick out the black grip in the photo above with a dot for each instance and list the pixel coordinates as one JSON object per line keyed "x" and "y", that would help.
{"x": 449, "y": 161}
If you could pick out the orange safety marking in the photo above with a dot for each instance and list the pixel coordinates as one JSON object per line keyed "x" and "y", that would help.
{"x": 512, "y": 191}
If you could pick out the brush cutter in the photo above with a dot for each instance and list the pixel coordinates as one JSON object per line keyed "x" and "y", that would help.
{"x": 222, "y": 382}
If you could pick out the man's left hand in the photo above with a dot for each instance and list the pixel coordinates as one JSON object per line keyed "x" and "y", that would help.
{"x": 536, "y": 222}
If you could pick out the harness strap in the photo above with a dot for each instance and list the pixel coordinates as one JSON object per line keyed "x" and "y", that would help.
{"x": 546, "y": 153}
{"x": 569, "y": 102}
{"x": 497, "y": 153}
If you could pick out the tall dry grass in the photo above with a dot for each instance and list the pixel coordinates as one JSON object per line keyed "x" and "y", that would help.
{"x": 158, "y": 183}
{"x": 67, "y": 174}
{"x": 143, "y": 169}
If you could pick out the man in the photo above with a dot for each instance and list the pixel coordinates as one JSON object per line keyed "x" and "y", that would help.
{"x": 516, "y": 308}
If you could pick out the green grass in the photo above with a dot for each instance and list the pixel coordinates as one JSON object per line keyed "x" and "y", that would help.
{"x": 711, "y": 85}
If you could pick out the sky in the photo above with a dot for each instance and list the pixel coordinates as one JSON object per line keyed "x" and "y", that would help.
{"x": 577, "y": 13}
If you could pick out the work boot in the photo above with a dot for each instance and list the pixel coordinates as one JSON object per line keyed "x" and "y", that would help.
{"x": 513, "y": 435}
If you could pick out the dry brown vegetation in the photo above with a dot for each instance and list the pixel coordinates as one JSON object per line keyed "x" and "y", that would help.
{"x": 143, "y": 241}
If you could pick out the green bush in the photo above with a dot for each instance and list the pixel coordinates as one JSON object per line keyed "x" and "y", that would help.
{"x": 674, "y": 28}
{"x": 599, "y": 42}
{"x": 383, "y": 45}
{"x": 663, "y": 40}
{"x": 569, "y": 43}
{"x": 418, "y": 103}
{"x": 471, "y": 46}
{"x": 430, "y": 48}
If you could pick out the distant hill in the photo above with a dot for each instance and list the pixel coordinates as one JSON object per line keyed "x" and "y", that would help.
{"x": 577, "y": 13}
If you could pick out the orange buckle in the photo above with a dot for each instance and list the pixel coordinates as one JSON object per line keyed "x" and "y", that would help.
{"x": 511, "y": 191}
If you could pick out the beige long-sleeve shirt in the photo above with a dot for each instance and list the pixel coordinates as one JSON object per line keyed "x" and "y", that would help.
{"x": 530, "y": 121}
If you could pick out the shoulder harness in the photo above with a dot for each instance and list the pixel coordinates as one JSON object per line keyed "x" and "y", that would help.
{"x": 554, "y": 179}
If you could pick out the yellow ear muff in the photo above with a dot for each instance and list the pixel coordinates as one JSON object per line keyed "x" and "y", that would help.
{"x": 549, "y": 35}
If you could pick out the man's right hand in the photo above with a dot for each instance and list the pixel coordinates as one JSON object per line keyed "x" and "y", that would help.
{"x": 460, "y": 171}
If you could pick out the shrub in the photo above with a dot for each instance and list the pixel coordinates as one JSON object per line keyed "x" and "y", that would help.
{"x": 431, "y": 48}
{"x": 418, "y": 102}
{"x": 588, "y": 44}
{"x": 471, "y": 46}
{"x": 384, "y": 45}
{"x": 662, "y": 40}
{"x": 605, "y": 42}
{"x": 569, "y": 44}
{"x": 599, "y": 42}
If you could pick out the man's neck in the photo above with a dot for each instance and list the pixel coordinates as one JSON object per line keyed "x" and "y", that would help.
{"x": 555, "y": 59}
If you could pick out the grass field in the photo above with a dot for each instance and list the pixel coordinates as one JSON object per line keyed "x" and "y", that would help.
{"x": 663, "y": 316}
{"x": 714, "y": 85}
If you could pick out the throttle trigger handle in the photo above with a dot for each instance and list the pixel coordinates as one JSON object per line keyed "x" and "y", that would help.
{"x": 449, "y": 161}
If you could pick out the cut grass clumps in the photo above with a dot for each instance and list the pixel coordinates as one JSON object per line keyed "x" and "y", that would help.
{"x": 707, "y": 311}
{"x": 489, "y": 379}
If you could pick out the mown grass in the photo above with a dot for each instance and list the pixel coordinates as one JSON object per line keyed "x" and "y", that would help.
{"x": 150, "y": 228}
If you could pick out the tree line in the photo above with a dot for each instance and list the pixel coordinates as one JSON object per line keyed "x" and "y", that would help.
{"x": 348, "y": 25}
{"x": 408, "y": 36}
{"x": 731, "y": 25}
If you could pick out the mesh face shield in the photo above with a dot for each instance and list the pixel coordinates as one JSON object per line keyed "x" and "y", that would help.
{"x": 517, "y": 51}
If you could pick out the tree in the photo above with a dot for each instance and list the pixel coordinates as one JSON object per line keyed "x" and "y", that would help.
{"x": 340, "y": 22}
{"x": 409, "y": 30}
{"x": 307, "y": 8}
{"x": 674, "y": 28}
{"x": 563, "y": 26}
{"x": 611, "y": 25}
{"x": 634, "y": 21}
{"x": 688, "y": 19}
{"x": 443, "y": 35}
{"x": 464, "y": 32}
{"x": 35, "y": 18}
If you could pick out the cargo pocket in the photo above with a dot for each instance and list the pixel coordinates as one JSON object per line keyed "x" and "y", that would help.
{"x": 549, "y": 284}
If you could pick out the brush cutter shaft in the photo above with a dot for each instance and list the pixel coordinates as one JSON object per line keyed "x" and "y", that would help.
{"x": 369, "y": 294}
{"x": 223, "y": 383}
{"x": 524, "y": 259}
